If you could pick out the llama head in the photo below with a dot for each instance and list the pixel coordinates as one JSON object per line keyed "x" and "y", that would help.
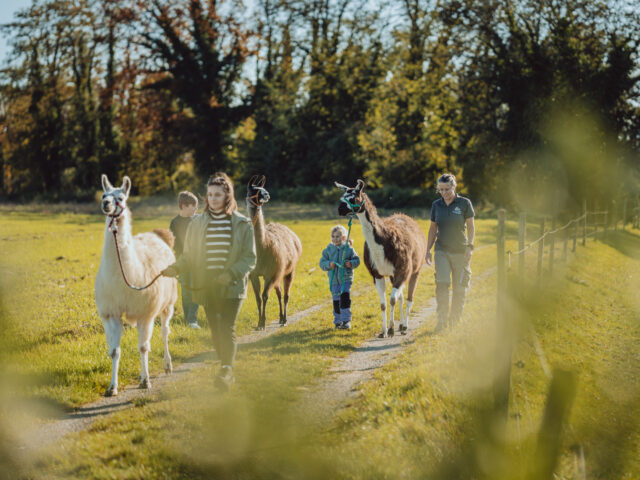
{"x": 114, "y": 200}
{"x": 352, "y": 200}
{"x": 257, "y": 195}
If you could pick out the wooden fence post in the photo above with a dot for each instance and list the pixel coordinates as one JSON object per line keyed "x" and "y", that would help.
{"x": 584, "y": 225}
{"x": 624, "y": 214}
{"x": 606, "y": 223}
{"x": 522, "y": 236}
{"x": 552, "y": 245}
{"x": 575, "y": 235}
{"x": 503, "y": 348}
{"x": 565, "y": 235}
{"x": 562, "y": 393}
{"x": 596, "y": 217}
{"x": 540, "y": 252}
{"x": 614, "y": 215}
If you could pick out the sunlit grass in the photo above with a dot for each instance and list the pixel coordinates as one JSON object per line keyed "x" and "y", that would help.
{"x": 178, "y": 435}
{"x": 416, "y": 415}
{"x": 420, "y": 414}
{"x": 55, "y": 339}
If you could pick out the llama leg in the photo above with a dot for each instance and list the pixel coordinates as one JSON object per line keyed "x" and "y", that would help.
{"x": 380, "y": 287}
{"x": 279, "y": 294}
{"x": 393, "y": 298}
{"x": 401, "y": 308}
{"x": 113, "y": 331}
{"x": 255, "y": 285}
{"x": 286, "y": 286}
{"x": 268, "y": 285}
{"x": 145, "y": 329}
{"x": 392, "y": 308}
{"x": 166, "y": 318}
{"x": 413, "y": 282}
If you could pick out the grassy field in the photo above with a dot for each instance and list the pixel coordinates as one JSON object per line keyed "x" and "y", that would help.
{"x": 57, "y": 344}
{"x": 422, "y": 415}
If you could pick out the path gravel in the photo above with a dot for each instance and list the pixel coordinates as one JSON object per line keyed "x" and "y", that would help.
{"x": 84, "y": 416}
{"x": 319, "y": 403}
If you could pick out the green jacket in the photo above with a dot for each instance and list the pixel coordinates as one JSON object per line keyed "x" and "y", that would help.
{"x": 241, "y": 260}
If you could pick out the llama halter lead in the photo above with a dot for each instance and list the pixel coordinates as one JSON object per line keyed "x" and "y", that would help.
{"x": 352, "y": 206}
{"x": 113, "y": 228}
{"x": 344, "y": 251}
{"x": 352, "y": 214}
{"x": 252, "y": 197}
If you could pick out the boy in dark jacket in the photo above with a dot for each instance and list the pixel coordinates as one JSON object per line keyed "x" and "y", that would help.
{"x": 338, "y": 260}
{"x": 188, "y": 204}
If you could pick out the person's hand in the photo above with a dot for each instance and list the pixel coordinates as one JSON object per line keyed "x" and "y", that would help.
{"x": 429, "y": 259}
{"x": 332, "y": 266}
{"x": 224, "y": 278}
{"x": 347, "y": 264}
{"x": 169, "y": 272}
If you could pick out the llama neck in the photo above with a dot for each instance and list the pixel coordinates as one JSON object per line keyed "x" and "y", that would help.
{"x": 370, "y": 221}
{"x": 258, "y": 223}
{"x": 125, "y": 239}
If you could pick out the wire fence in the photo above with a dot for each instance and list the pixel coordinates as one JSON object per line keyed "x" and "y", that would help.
{"x": 595, "y": 224}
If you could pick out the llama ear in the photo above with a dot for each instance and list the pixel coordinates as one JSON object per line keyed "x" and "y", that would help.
{"x": 360, "y": 186}
{"x": 126, "y": 185}
{"x": 252, "y": 181}
{"x": 262, "y": 181}
{"x": 106, "y": 186}
{"x": 343, "y": 187}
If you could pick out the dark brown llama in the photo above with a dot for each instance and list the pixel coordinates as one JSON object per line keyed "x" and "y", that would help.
{"x": 395, "y": 247}
{"x": 278, "y": 250}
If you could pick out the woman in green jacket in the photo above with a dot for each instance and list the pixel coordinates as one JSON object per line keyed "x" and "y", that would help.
{"x": 219, "y": 252}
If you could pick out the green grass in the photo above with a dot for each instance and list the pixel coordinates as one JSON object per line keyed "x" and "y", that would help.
{"x": 421, "y": 415}
{"x": 54, "y": 339}
{"x": 271, "y": 374}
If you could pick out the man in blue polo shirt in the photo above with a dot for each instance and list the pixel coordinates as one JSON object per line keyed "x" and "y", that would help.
{"x": 452, "y": 225}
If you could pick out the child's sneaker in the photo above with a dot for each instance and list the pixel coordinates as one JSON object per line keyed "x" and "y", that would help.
{"x": 338, "y": 325}
{"x": 346, "y": 326}
{"x": 194, "y": 325}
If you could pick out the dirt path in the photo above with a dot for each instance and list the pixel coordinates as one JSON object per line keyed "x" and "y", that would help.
{"x": 84, "y": 416}
{"x": 320, "y": 403}
{"x": 335, "y": 389}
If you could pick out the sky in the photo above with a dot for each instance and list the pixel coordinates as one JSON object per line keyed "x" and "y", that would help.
{"x": 7, "y": 9}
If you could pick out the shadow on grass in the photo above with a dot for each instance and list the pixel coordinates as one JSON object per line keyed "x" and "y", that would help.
{"x": 378, "y": 348}
{"x": 293, "y": 342}
{"x": 200, "y": 357}
{"x": 627, "y": 243}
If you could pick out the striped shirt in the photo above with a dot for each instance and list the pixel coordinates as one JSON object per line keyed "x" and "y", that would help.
{"x": 218, "y": 241}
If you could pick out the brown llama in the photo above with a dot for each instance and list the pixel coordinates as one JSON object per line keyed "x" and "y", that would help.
{"x": 395, "y": 247}
{"x": 278, "y": 250}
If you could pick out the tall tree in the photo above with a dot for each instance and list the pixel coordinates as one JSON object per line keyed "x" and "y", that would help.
{"x": 532, "y": 59}
{"x": 409, "y": 134}
{"x": 199, "y": 52}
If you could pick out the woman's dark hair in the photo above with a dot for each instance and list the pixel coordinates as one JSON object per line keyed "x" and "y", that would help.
{"x": 449, "y": 178}
{"x": 221, "y": 179}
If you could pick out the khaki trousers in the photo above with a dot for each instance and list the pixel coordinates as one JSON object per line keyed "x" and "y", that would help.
{"x": 451, "y": 269}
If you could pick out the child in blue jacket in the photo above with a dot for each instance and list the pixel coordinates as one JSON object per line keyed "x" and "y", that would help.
{"x": 338, "y": 260}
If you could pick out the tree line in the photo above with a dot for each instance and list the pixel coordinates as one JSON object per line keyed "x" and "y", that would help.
{"x": 507, "y": 94}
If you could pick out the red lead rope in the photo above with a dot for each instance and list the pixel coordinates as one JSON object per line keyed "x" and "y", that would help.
{"x": 115, "y": 238}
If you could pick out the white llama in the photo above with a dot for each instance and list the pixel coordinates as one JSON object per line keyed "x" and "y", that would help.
{"x": 143, "y": 257}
